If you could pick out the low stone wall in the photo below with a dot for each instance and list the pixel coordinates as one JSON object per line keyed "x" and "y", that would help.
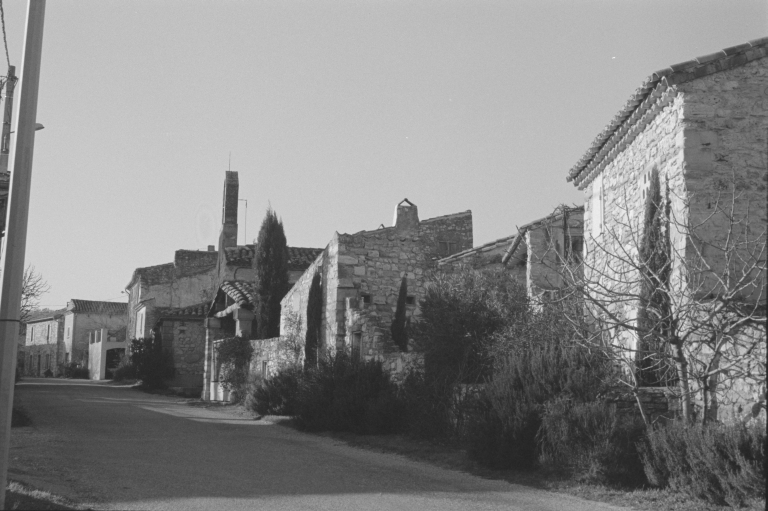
{"x": 659, "y": 403}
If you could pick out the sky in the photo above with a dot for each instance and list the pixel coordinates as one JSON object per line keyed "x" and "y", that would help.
{"x": 332, "y": 112}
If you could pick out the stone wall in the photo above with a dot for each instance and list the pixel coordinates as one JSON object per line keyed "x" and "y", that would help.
{"x": 39, "y": 357}
{"x": 187, "y": 343}
{"x": 660, "y": 404}
{"x": 725, "y": 116}
{"x": 619, "y": 193}
{"x": 361, "y": 276}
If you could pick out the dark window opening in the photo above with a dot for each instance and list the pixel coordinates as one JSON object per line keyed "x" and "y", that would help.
{"x": 574, "y": 249}
{"x": 410, "y": 300}
{"x": 366, "y": 298}
{"x": 446, "y": 248}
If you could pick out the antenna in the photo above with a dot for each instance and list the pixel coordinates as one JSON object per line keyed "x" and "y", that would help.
{"x": 229, "y": 164}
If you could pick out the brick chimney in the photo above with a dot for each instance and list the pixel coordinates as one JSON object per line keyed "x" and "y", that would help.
{"x": 406, "y": 216}
{"x": 228, "y": 236}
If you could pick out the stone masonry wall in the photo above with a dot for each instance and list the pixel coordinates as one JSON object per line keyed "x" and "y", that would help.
{"x": 188, "y": 344}
{"x": 295, "y": 301}
{"x": 659, "y": 145}
{"x": 372, "y": 264}
{"x": 726, "y": 136}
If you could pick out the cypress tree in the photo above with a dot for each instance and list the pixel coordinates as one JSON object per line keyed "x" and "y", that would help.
{"x": 314, "y": 322}
{"x": 399, "y": 326}
{"x": 654, "y": 316}
{"x": 271, "y": 265}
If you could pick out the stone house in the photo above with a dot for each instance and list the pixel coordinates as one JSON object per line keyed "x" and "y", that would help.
{"x": 701, "y": 126}
{"x": 361, "y": 276}
{"x": 534, "y": 253}
{"x": 44, "y": 347}
{"x": 230, "y": 312}
{"x": 82, "y": 318}
{"x": 189, "y": 280}
{"x": 181, "y": 331}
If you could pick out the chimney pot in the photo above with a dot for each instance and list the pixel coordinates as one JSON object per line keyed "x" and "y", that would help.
{"x": 406, "y": 215}
{"x": 211, "y": 248}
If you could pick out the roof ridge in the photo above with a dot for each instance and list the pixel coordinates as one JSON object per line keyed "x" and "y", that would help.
{"x": 460, "y": 213}
{"x": 654, "y": 87}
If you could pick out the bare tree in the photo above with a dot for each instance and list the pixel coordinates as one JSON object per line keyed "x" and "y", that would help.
{"x": 686, "y": 308}
{"x": 33, "y": 287}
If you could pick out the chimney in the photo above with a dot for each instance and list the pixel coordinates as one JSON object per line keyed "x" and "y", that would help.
{"x": 211, "y": 248}
{"x": 406, "y": 216}
{"x": 228, "y": 236}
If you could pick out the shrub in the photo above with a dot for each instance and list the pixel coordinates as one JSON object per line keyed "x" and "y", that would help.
{"x": 715, "y": 462}
{"x": 428, "y": 406}
{"x": 591, "y": 442}
{"x": 342, "y": 394}
{"x": 73, "y": 370}
{"x": 125, "y": 370}
{"x": 48, "y": 373}
{"x": 276, "y": 395}
{"x": 152, "y": 363}
{"x": 527, "y": 375}
{"x": 234, "y": 354}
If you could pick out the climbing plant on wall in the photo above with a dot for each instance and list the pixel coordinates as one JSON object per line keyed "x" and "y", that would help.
{"x": 271, "y": 265}
{"x": 234, "y": 355}
{"x": 654, "y": 314}
{"x": 314, "y": 322}
{"x": 399, "y": 326}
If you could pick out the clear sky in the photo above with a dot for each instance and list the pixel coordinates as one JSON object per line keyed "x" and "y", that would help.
{"x": 333, "y": 112}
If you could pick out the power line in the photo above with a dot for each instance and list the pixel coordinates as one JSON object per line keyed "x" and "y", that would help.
{"x": 5, "y": 39}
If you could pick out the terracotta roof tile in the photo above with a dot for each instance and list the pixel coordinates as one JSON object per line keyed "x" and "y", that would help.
{"x": 240, "y": 292}
{"x": 44, "y": 315}
{"x": 196, "y": 311}
{"x": 89, "y": 306}
{"x": 299, "y": 258}
{"x": 652, "y": 88}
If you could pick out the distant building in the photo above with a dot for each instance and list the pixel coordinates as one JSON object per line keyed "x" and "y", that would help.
{"x": 361, "y": 275}
{"x": 533, "y": 254}
{"x": 82, "y": 318}
{"x": 44, "y": 347}
{"x": 189, "y": 280}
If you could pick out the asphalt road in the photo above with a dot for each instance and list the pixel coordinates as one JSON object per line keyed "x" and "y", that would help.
{"x": 117, "y": 448}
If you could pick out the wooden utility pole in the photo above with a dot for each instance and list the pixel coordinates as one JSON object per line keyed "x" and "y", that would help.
{"x": 12, "y": 261}
{"x": 5, "y": 138}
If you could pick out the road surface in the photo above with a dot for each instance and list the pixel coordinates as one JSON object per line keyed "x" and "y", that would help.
{"x": 117, "y": 448}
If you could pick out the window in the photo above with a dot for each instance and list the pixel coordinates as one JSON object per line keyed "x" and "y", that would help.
{"x": 264, "y": 369}
{"x": 410, "y": 300}
{"x": 357, "y": 344}
{"x": 366, "y": 298}
{"x": 574, "y": 249}
{"x": 66, "y": 358}
{"x": 68, "y": 332}
{"x": 48, "y": 333}
{"x": 47, "y": 361}
{"x": 597, "y": 206}
{"x": 446, "y": 248}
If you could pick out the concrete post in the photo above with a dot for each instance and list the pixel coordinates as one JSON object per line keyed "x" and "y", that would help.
{"x": 16, "y": 232}
{"x": 212, "y": 328}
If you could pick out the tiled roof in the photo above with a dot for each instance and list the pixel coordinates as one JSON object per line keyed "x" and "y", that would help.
{"x": 492, "y": 245}
{"x": 44, "y": 315}
{"x": 652, "y": 91}
{"x": 152, "y": 274}
{"x": 299, "y": 258}
{"x": 240, "y": 292}
{"x": 197, "y": 311}
{"x": 89, "y": 306}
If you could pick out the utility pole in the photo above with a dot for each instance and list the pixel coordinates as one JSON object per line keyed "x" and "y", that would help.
{"x": 12, "y": 260}
{"x": 5, "y": 140}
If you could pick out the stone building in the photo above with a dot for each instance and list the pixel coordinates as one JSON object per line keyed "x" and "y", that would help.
{"x": 361, "y": 275}
{"x": 534, "y": 254}
{"x": 82, "y": 318}
{"x": 181, "y": 331}
{"x": 701, "y": 126}
{"x": 44, "y": 346}
{"x": 189, "y": 280}
{"x": 230, "y": 312}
